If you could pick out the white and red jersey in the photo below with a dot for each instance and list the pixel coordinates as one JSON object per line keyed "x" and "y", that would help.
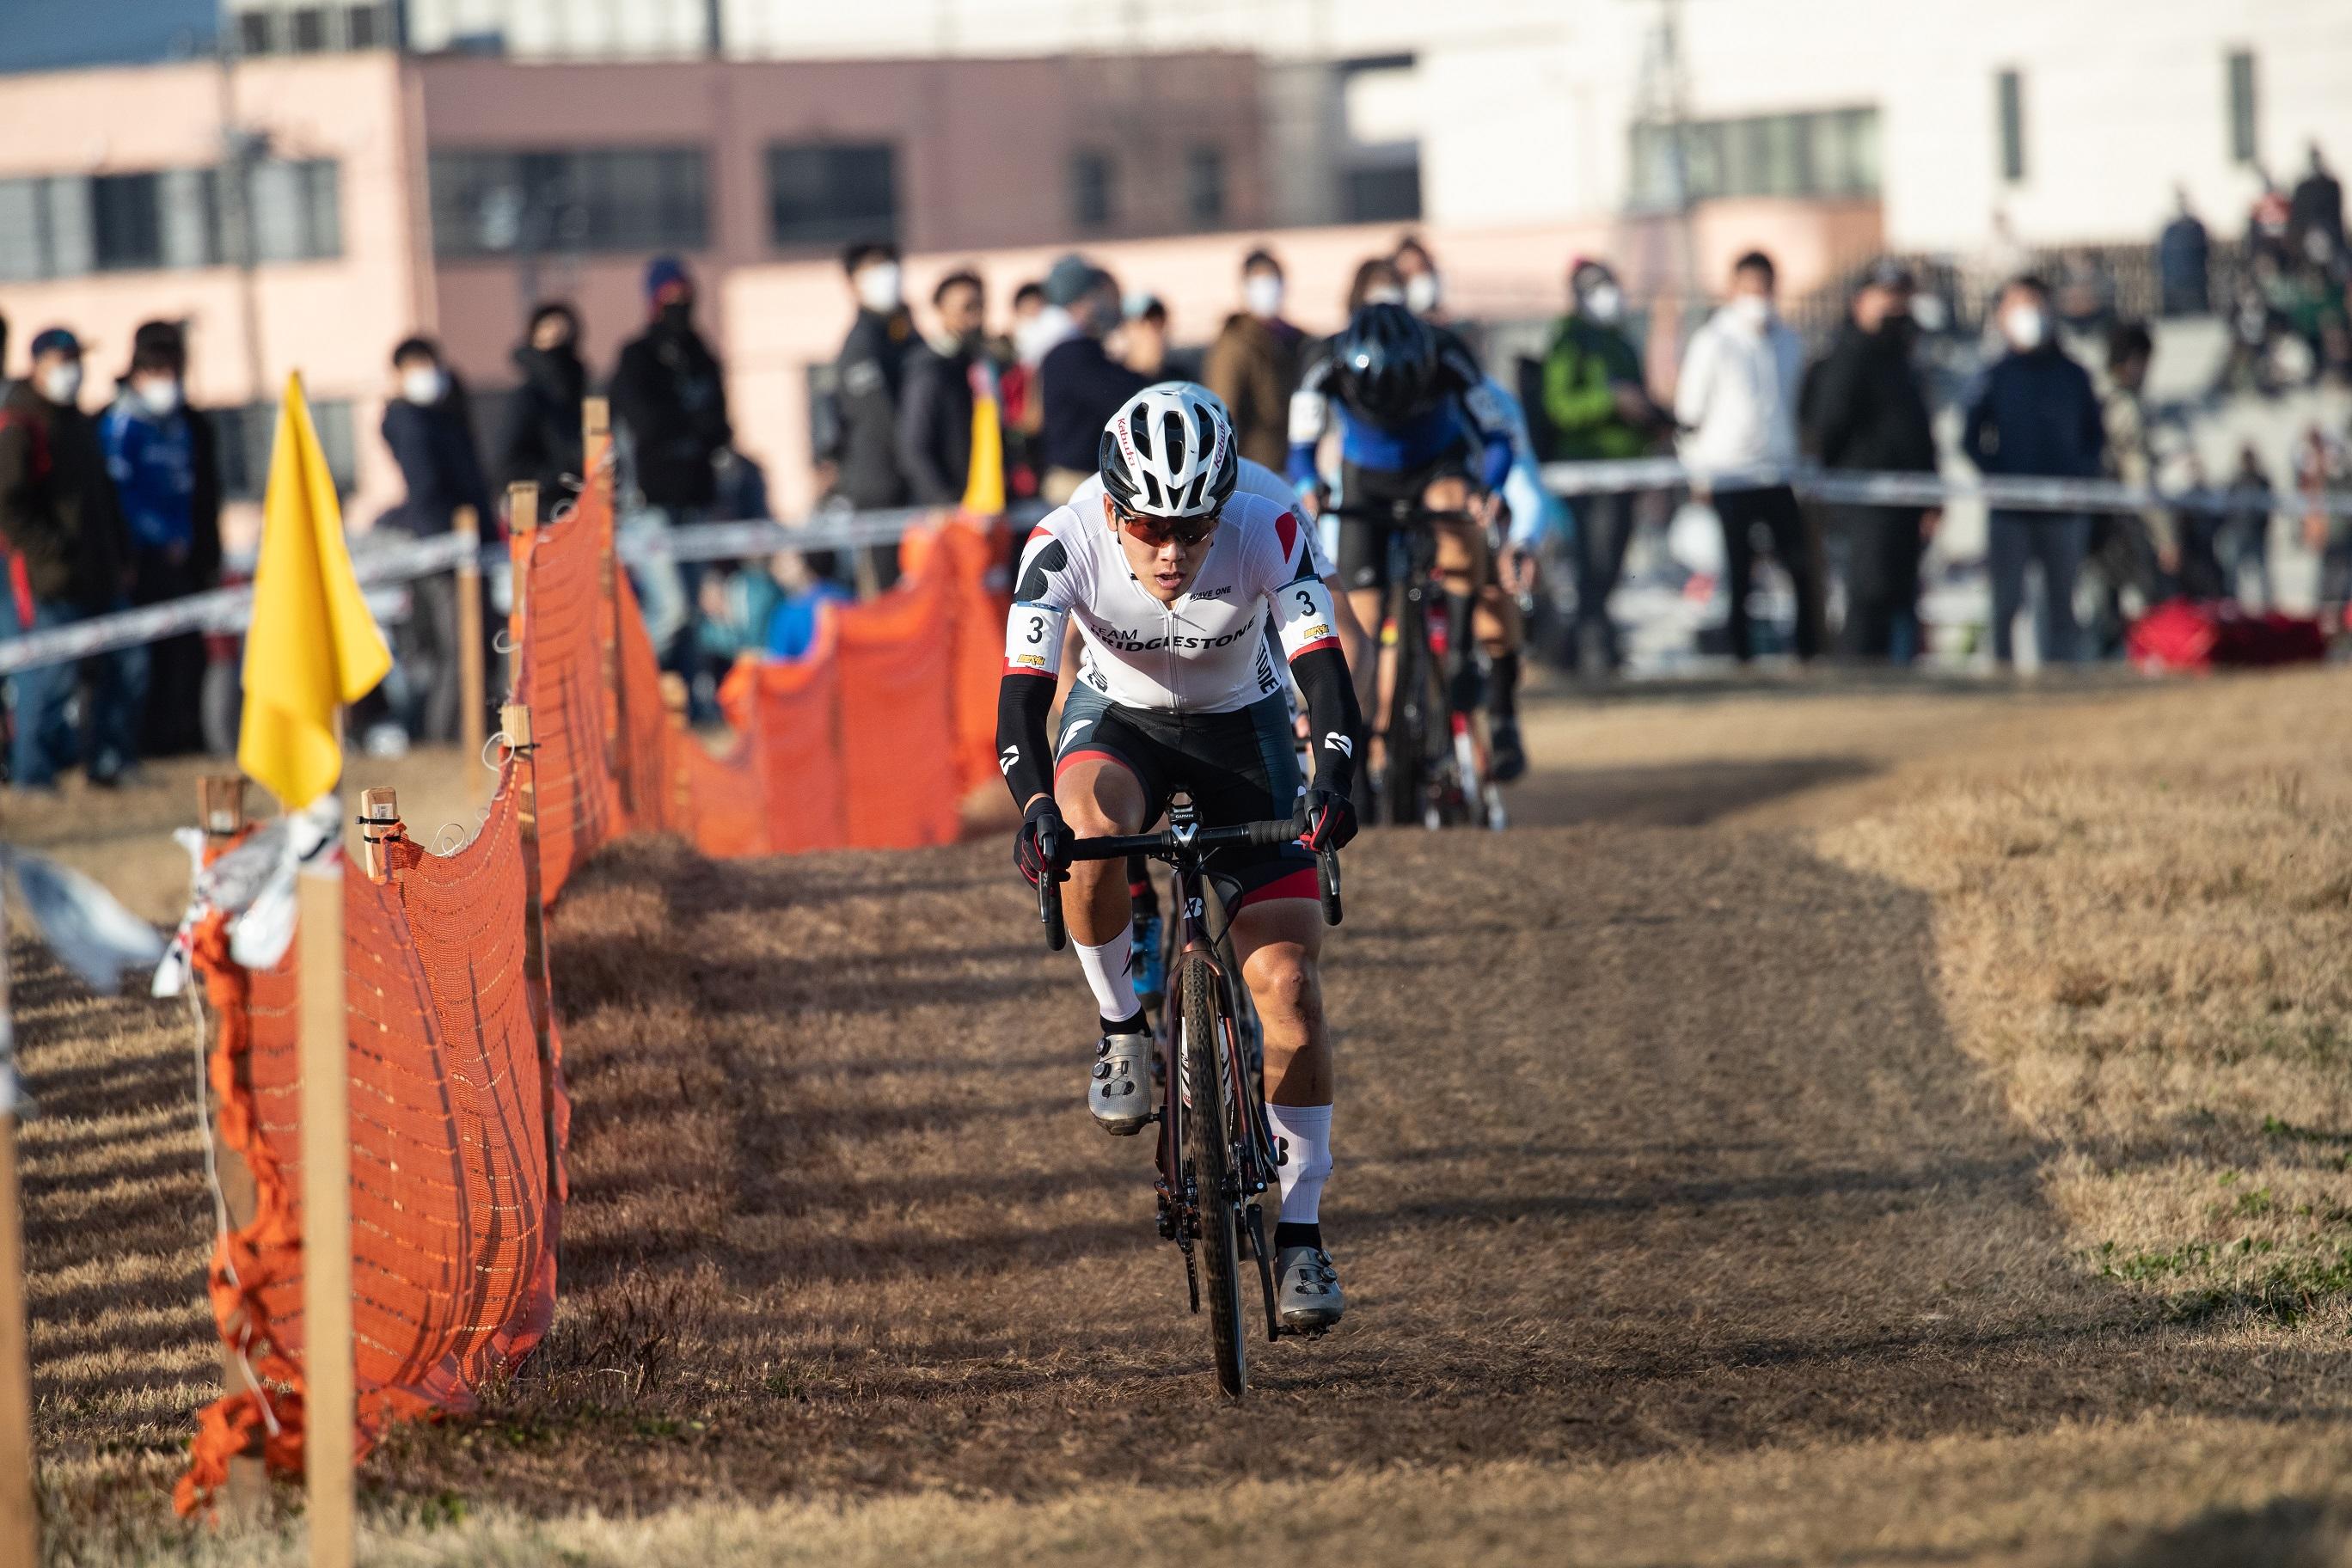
{"x": 1206, "y": 653}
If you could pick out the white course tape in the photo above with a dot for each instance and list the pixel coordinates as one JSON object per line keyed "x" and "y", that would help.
{"x": 1851, "y": 488}
{"x": 231, "y": 609}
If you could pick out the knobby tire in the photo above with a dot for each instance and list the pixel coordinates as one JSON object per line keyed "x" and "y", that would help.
{"x": 1207, "y": 1144}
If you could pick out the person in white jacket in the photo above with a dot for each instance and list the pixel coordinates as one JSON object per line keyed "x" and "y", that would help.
{"x": 1737, "y": 403}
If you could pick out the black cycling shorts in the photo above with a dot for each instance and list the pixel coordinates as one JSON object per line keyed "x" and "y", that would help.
{"x": 1363, "y": 557}
{"x": 1241, "y": 766}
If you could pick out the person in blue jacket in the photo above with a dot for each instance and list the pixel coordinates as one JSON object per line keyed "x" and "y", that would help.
{"x": 164, "y": 460}
{"x": 2034, "y": 414}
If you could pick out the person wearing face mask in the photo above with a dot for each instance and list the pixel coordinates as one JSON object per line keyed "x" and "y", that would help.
{"x": 165, "y": 465}
{"x": 426, "y": 424}
{"x": 2034, "y": 412}
{"x": 1595, "y": 407}
{"x": 1255, "y": 363}
{"x": 1863, "y": 409}
{"x": 542, "y": 441}
{"x": 944, "y": 379}
{"x": 669, "y": 419}
{"x": 1424, "y": 288}
{"x": 67, "y": 558}
{"x": 869, "y": 375}
{"x": 1079, "y": 384}
{"x": 1737, "y": 403}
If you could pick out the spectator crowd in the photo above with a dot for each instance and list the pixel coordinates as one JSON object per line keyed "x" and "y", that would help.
{"x": 122, "y": 507}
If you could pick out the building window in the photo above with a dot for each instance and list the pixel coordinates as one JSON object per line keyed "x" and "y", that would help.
{"x": 243, "y": 437}
{"x": 2242, "y": 144}
{"x": 2010, "y": 91}
{"x": 126, "y": 213}
{"x": 308, "y": 29}
{"x": 364, "y": 27}
{"x": 831, "y": 194}
{"x": 634, "y": 198}
{"x": 1387, "y": 192}
{"x": 1205, "y": 186}
{"x": 1824, "y": 153}
{"x": 1091, "y": 178}
{"x": 69, "y": 225}
{"x": 253, "y": 30}
{"x": 297, "y": 210}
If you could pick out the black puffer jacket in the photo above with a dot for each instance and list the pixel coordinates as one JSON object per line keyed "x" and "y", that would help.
{"x": 58, "y": 510}
{"x": 1863, "y": 407}
{"x": 542, "y": 443}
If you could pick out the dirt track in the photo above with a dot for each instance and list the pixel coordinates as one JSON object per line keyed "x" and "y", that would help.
{"x": 1653, "y": 1144}
{"x": 1686, "y": 1164}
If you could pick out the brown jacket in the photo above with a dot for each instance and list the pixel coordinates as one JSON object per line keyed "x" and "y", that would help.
{"x": 58, "y": 510}
{"x": 1255, "y": 368}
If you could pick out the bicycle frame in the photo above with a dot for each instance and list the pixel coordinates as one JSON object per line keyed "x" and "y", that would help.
{"x": 1186, "y": 847}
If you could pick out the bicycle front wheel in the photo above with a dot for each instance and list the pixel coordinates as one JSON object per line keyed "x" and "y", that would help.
{"x": 1208, "y": 1074}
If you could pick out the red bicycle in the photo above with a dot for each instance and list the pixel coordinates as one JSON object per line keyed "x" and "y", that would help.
{"x": 1217, "y": 1153}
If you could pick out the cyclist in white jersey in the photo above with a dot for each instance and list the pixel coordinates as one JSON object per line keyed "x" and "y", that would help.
{"x": 1171, "y": 578}
{"x": 1257, "y": 479}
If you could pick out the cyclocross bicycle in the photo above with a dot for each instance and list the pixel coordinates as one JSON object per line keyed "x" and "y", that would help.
{"x": 1434, "y": 770}
{"x": 1217, "y": 1154}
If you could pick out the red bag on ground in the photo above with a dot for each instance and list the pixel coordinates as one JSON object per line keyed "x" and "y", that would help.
{"x": 2188, "y": 634}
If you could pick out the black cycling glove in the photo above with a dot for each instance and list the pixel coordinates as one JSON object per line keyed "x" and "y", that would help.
{"x": 1042, "y": 820}
{"x": 1327, "y": 819}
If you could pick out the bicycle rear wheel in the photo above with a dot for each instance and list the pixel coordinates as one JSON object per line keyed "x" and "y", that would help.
{"x": 1209, "y": 1147}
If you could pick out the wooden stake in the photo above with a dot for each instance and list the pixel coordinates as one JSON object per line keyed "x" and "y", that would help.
{"x": 522, "y": 522}
{"x": 20, "y": 1519}
{"x": 220, "y": 808}
{"x": 596, "y": 444}
{"x": 474, "y": 709}
{"x": 515, "y": 719}
{"x": 220, "y": 804}
{"x": 380, "y": 824}
{"x": 675, "y": 701}
{"x": 329, "y": 1401}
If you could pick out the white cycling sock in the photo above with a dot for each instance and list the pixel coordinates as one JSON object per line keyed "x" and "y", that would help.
{"x": 1307, "y": 1130}
{"x": 1106, "y": 974}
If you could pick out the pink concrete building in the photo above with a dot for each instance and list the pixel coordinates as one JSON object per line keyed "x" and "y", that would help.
{"x": 393, "y": 194}
{"x": 390, "y": 195}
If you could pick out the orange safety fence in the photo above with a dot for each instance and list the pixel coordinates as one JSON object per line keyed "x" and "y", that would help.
{"x": 456, "y": 1192}
{"x": 458, "y": 1113}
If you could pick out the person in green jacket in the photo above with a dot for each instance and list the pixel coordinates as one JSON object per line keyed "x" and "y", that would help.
{"x": 1595, "y": 407}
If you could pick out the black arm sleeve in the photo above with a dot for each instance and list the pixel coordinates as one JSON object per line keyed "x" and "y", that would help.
{"x": 1339, "y": 723}
{"x": 1023, "y": 701}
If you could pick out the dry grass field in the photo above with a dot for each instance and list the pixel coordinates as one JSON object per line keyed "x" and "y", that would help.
{"x": 1873, "y": 1126}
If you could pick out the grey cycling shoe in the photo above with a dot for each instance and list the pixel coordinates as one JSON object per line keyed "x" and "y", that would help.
{"x": 1307, "y": 1296}
{"x": 1120, "y": 1092}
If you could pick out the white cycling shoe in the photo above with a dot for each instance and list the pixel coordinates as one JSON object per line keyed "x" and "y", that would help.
{"x": 1120, "y": 1092}
{"x": 1308, "y": 1298}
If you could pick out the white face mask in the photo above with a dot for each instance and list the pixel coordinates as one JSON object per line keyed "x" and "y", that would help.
{"x": 877, "y": 287}
{"x": 1421, "y": 292}
{"x": 1751, "y": 309}
{"x": 1382, "y": 294}
{"x": 422, "y": 385}
{"x": 1604, "y": 303}
{"x": 1262, "y": 292}
{"x": 2027, "y": 328}
{"x": 160, "y": 395}
{"x": 62, "y": 382}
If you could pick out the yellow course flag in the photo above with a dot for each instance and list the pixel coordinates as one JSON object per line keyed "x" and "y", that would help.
{"x": 313, "y": 646}
{"x": 983, "y": 491}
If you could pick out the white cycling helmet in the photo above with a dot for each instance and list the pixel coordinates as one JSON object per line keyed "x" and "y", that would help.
{"x": 1169, "y": 452}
